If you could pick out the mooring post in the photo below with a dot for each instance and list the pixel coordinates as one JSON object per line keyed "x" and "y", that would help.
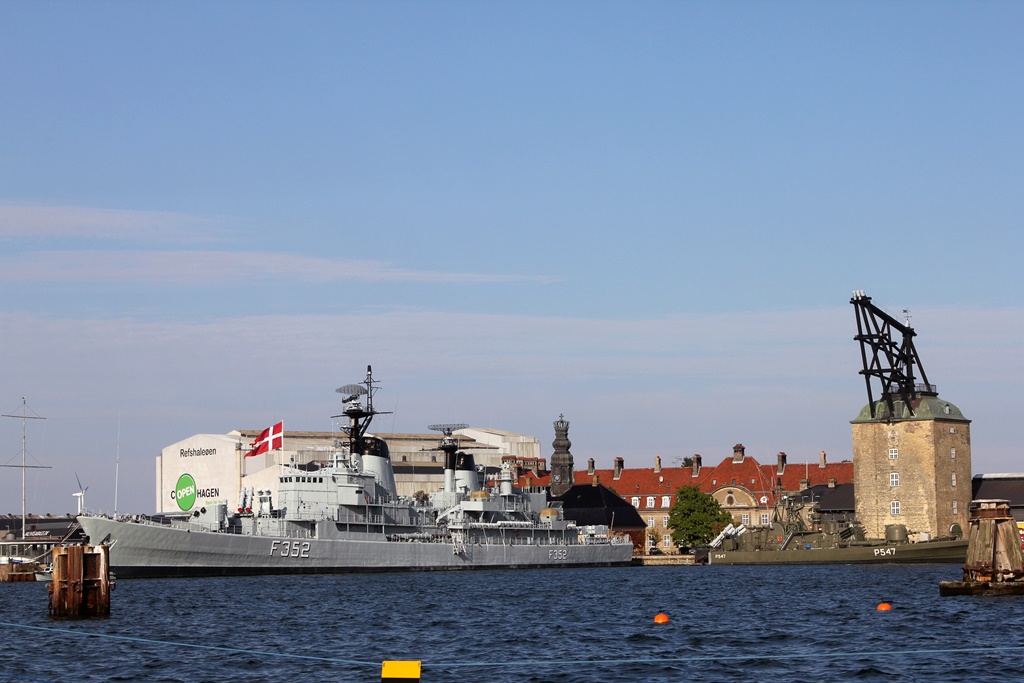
{"x": 81, "y": 582}
{"x": 995, "y": 561}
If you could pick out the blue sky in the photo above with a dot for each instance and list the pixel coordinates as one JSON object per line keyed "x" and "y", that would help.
{"x": 646, "y": 216}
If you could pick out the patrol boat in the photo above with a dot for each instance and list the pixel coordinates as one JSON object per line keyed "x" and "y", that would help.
{"x": 790, "y": 540}
{"x": 346, "y": 516}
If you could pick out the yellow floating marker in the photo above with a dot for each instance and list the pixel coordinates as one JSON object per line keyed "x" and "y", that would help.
{"x": 884, "y": 607}
{"x": 660, "y": 618}
{"x": 395, "y": 671}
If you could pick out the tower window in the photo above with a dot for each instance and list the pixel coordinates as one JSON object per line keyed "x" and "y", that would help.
{"x": 894, "y": 479}
{"x": 946, "y": 409}
{"x": 952, "y": 453}
{"x": 894, "y": 507}
{"x": 894, "y": 453}
{"x": 954, "y": 479}
{"x": 954, "y": 507}
{"x": 952, "y": 430}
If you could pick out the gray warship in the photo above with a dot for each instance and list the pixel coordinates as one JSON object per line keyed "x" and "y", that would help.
{"x": 346, "y": 516}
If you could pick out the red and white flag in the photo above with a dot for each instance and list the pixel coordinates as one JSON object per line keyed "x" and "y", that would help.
{"x": 270, "y": 439}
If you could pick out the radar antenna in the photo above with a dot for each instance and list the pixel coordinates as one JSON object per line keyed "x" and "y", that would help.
{"x": 891, "y": 361}
{"x": 447, "y": 429}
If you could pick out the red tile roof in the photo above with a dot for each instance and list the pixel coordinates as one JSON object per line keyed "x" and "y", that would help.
{"x": 760, "y": 480}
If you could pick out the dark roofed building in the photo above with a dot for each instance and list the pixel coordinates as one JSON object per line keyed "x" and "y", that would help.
{"x": 595, "y": 504}
{"x": 1008, "y": 487}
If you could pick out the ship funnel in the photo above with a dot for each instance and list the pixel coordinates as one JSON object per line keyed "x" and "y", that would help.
{"x": 466, "y": 478}
{"x": 377, "y": 460}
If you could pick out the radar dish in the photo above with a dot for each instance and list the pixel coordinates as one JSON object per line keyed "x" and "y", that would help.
{"x": 447, "y": 429}
{"x": 351, "y": 390}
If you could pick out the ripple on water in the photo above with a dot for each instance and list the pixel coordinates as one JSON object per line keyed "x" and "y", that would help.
{"x": 571, "y": 626}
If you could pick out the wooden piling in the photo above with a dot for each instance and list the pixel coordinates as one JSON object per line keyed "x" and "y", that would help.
{"x": 81, "y": 582}
{"x": 995, "y": 561}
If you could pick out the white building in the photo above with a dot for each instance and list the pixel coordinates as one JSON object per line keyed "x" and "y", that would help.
{"x": 213, "y": 467}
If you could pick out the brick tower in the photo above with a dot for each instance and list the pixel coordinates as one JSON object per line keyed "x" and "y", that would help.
{"x": 911, "y": 449}
{"x": 561, "y": 460}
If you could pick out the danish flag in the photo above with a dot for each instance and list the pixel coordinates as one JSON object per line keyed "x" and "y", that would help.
{"x": 270, "y": 439}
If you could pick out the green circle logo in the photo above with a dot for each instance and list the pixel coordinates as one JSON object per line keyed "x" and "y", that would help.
{"x": 185, "y": 492}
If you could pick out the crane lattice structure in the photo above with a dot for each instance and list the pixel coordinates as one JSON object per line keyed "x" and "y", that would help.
{"x": 890, "y": 360}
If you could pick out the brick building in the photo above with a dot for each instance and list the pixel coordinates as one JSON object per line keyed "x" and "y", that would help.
{"x": 744, "y": 487}
{"x": 912, "y": 466}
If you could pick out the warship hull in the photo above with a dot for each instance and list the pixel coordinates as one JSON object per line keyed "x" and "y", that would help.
{"x": 150, "y": 550}
{"x": 951, "y": 551}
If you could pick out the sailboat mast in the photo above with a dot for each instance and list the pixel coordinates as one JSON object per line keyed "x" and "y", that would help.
{"x": 25, "y": 417}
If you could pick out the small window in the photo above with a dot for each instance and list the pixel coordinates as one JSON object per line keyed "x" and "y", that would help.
{"x": 764, "y": 519}
{"x": 650, "y": 501}
{"x": 714, "y": 482}
{"x": 753, "y": 481}
{"x": 636, "y": 501}
{"x": 745, "y": 519}
{"x": 894, "y": 479}
{"x": 894, "y": 508}
{"x": 665, "y": 502}
{"x": 894, "y": 453}
{"x": 946, "y": 409}
{"x": 954, "y": 479}
{"x": 952, "y": 453}
{"x": 954, "y": 507}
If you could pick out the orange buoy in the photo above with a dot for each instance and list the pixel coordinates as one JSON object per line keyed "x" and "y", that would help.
{"x": 660, "y": 618}
{"x": 884, "y": 607}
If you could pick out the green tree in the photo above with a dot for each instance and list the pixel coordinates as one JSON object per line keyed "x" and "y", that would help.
{"x": 695, "y": 518}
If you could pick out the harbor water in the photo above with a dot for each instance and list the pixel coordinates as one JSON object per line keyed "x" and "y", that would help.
{"x": 812, "y": 623}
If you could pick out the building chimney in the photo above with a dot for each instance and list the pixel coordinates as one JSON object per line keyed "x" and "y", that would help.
{"x": 737, "y": 452}
{"x": 831, "y": 483}
{"x": 590, "y": 466}
{"x": 618, "y": 468}
{"x": 696, "y": 464}
{"x": 657, "y": 463}
{"x": 805, "y": 484}
{"x": 782, "y": 463}
{"x": 597, "y": 479}
{"x": 821, "y": 460}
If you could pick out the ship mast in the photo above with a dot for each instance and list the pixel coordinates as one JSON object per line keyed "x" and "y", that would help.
{"x": 359, "y": 417}
{"x": 24, "y": 455}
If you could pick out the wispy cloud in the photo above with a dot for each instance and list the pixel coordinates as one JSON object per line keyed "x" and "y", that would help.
{"x": 218, "y": 267}
{"x": 33, "y": 220}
